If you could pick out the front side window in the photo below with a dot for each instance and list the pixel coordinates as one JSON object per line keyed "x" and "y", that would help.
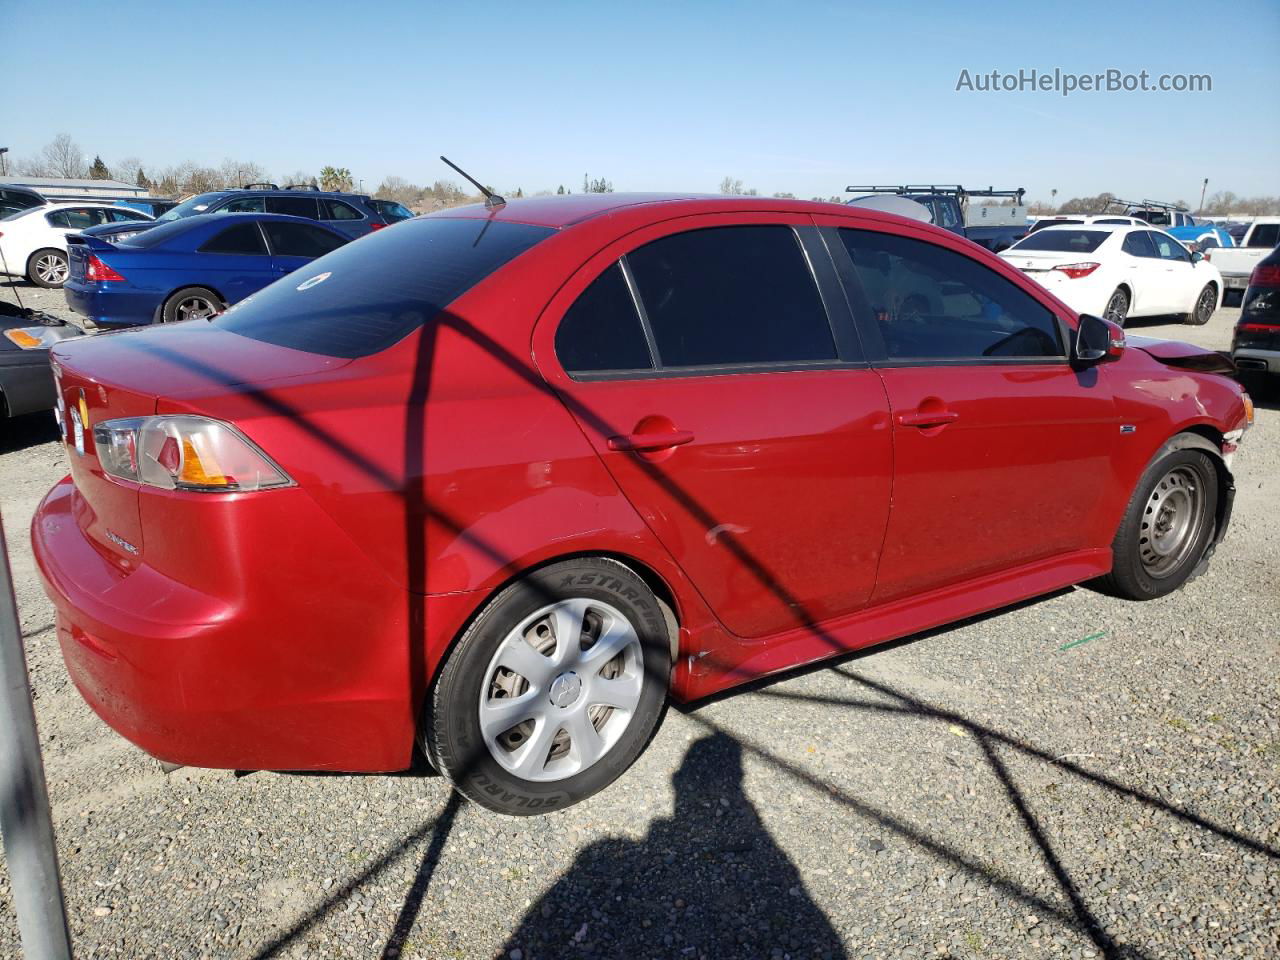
{"x": 299, "y": 240}
{"x": 602, "y": 331}
{"x": 731, "y": 296}
{"x": 931, "y": 303}
{"x": 294, "y": 206}
{"x": 243, "y": 238}
{"x": 1167, "y": 247}
{"x": 244, "y": 205}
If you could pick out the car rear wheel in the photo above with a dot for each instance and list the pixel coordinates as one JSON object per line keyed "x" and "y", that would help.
{"x": 1206, "y": 303}
{"x": 553, "y": 691}
{"x": 1117, "y": 307}
{"x": 1167, "y": 526}
{"x": 47, "y": 268}
{"x": 193, "y": 303}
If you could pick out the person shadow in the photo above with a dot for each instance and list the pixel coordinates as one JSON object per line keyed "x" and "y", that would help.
{"x": 707, "y": 882}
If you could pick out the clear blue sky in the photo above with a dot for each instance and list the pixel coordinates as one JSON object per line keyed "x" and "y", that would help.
{"x": 797, "y": 96}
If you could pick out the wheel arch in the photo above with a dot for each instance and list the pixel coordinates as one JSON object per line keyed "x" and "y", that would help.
{"x": 164, "y": 301}
{"x": 1203, "y": 436}
{"x": 35, "y": 253}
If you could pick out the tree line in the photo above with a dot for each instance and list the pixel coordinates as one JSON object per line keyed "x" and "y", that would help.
{"x": 63, "y": 157}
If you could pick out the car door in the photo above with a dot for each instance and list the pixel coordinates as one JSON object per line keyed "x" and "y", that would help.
{"x": 294, "y": 245}
{"x": 1180, "y": 279}
{"x": 700, "y": 361}
{"x": 237, "y": 260}
{"x": 1144, "y": 272}
{"x": 1001, "y": 448}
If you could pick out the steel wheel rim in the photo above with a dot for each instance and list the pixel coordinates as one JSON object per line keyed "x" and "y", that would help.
{"x": 1205, "y": 307}
{"x": 1171, "y": 522}
{"x": 51, "y": 269}
{"x": 561, "y": 690}
{"x": 195, "y": 308}
{"x": 1117, "y": 307}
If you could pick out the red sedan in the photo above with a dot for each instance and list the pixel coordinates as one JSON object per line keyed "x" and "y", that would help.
{"x": 499, "y": 481}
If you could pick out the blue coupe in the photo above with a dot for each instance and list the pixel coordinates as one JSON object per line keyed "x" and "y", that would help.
{"x": 188, "y": 268}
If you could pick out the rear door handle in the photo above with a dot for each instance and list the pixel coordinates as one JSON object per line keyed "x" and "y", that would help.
{"x": 932, "y": 418}
{"x": 650, "y": 441}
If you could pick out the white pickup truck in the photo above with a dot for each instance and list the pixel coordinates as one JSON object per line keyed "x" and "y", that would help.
{"x": 1236, "y": 263}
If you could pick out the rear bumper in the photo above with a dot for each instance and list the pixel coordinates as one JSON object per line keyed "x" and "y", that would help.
{"x": 306, "y": 663}
{"x": 109, "y": 306}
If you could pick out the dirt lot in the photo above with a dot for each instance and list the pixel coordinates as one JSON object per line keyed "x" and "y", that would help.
{"x": 996, "y": 789}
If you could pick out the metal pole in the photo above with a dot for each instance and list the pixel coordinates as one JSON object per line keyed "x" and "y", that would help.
{"x": 25, "y": 820}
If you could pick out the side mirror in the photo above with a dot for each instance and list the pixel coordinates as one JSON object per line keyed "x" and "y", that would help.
{"x": 1196, "y": 256}
{"x": 1098, "y": 340}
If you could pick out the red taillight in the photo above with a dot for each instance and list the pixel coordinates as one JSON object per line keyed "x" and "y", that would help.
{"x": 1252, "y": 327}
{"x": 1077, "y": 270}
{"x": 376, "y": 226}
{"x": 1268, "y": 276}
{"x": 96, "y": 271}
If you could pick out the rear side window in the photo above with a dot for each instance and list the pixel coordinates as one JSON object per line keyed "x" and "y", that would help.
{"x": 731, "y": 295}
{"x": 1138, "y": 244}
{"x": 1066, "y": 241}
{"x": 299, "y": 240}
{"x": 601, "y": 331}
{"x": 294, "y": 206}
{"x": 78, "y": 218}
{"x": 243, "y": 238}
{"x": 244, "y": 205}
{"x": 337, "y": 210}
{"x": 365, "y": 296}
{"x": 931, "y": 303}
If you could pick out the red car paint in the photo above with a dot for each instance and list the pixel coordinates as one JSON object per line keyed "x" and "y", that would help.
{"x": 810, "y": 513}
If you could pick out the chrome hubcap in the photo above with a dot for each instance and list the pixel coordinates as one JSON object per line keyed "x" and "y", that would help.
{"x": 561, "y": 689}
{"x": 51, "y": 269}
{"x": 1171, "y": 522}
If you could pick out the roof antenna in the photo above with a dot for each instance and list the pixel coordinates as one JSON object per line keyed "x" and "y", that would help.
{"x": 491, "y": 199}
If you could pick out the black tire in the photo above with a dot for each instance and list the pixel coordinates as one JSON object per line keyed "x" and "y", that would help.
{"x": 1206, "y": 304}
{"x": 1140, "y": 569}
{"x": 183, "y": 305}
{"x": 1117, "y": 308}
{"x": 451, "y": 731}
{"x": 47, "y": 268}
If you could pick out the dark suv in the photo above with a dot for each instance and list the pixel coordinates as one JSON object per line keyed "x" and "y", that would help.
{"x": 353, "y": 214}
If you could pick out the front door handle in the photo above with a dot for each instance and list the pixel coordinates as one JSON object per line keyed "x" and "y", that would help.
{"x": 650, "y": 441}
{"x": 927, "y": 418}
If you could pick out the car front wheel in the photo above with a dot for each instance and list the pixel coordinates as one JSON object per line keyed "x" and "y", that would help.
{"x": 1167, "y": 526}
{"x": 553, "y": 691}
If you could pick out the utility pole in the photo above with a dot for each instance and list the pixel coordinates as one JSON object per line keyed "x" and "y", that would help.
{"x": 1203, "y": 187}
{"x": 3, "y": 151}
{"x": 25, "y": 820}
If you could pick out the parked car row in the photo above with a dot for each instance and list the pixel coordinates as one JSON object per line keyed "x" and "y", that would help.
{"x": 33, "y": 241}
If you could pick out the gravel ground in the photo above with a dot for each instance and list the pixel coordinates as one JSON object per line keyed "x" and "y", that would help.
{"x": 976, "y": 792}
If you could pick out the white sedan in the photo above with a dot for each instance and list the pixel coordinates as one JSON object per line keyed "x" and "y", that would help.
{"x": 1120, "y": 271}
{"x": 33, "y": 243}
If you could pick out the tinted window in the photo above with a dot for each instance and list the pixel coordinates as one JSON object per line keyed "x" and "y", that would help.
{"x": 934, "y": 303}
{"x": 243, "y": 238}
{"x": 392, "y": 211}
{"x": 294, "y": 206}
{"x": 1066, "y": 241}
{"x": 126, "y": 216}
{"x": 1265, "y": 235}
{"x": 1167, "y": 247}
{"x": 602, "y": 331}
{"x": 162, "y": 234}
{"x": 244, "y": 205}
{"x": 78, "y": 218}
{"x": 1042, "y": 224}
{"x": 731, "y": 295}
{"x": 337, "y": 210}
{"x": 1138, "y": 244}
{"x": 190, "y": 207}
{"x": 299, "y": 240}
{"x": 375, "y": 292}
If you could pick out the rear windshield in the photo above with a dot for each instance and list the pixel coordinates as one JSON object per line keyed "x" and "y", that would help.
{"x": 1058, "y": 239}
{"x": 393, "y": 211}
{"x": 152, "y": 236}
{"x": 366, "y": 296}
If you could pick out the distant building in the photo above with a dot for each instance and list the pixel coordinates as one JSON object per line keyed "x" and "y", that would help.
{"x": 54, "y": 187}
